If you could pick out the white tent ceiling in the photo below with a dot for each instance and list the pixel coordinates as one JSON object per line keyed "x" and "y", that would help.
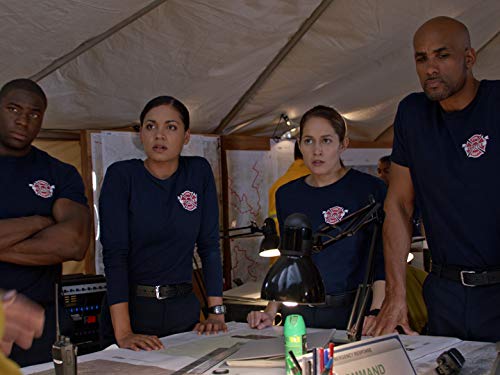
{"x": 237, "y": 64}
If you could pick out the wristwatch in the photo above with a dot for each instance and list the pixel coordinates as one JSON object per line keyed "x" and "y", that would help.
{"x": 217, "y": 309}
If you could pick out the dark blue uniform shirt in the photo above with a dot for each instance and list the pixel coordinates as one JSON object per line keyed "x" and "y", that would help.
{"x": 29, "y": 185}
{"x": 343, "y": 264}
{"x": 149, "y": 226}
{"x": 454, "y": 161}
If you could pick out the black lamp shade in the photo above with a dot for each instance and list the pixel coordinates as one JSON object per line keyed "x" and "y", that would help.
{"x": 271, "y": 241}
{"x": 269, "y": 246}
{"x": 294, "y": 279}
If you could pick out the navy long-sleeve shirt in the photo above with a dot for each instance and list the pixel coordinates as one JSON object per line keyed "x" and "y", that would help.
{"x": 343, "y": 264}
{"x": 149, "y": 226}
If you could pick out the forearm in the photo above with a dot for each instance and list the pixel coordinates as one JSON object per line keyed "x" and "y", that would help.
{"x": 31, "y": 259}
{"x": 214, "y": 301}
{"x": 212, "y": 269}
{"x": 120, "y": 318}
{"x": 397, "y": 240}
{"x": 272, "y": 308}
{"x": 63, "y": 241}
{"x": 378, "y": 294}
{"x": 55, "y": 244}
{"x": 19, "y": 229}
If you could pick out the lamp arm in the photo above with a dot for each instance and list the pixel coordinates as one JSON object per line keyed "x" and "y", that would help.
{"x": 358, "y": 220}
{"x": 250, "y": 229}
{"x": 356, "y": 320}
{"x": 277, "y": 126}
{"x": 354, "y": 222}
{"x": 325, "y": 228}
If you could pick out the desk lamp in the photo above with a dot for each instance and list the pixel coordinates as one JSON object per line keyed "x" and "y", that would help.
{"x": 268, "y": 248}
{"x": 295, "y": 278}
{"x": 270, "y": 242}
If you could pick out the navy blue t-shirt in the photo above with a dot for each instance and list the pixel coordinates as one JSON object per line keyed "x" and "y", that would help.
{"x": 149, "y": 226}
{"x": 343, "y": 264}
{"x": 454, "y": 161}
{"x": 30, "y": 185}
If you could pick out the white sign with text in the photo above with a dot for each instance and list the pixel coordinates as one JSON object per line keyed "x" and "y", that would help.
{"x": 383, "y": 355}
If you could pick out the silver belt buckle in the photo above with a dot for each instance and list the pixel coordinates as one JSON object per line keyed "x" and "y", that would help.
{"x": 462, "y": 273}
{"x": 157, "y": 292}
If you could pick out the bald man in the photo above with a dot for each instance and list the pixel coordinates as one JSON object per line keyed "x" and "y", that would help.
{"x": 445, "y": 158}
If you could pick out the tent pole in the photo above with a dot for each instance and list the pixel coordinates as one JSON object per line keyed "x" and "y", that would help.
{"x": 85, "y": 46}
{"x": 306, "y": 25}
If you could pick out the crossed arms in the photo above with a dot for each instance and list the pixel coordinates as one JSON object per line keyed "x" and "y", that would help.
{"x": 39, "y": 240}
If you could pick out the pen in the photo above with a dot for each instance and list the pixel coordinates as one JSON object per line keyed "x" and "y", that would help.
{"x": 321, "y": 359}
{"x": 330, "y": 355}
{"x": 293, "y": 367}
{"x": 315, "y": 361}
{"x": 294, "y": 359}
{"x": 327, "y": 368}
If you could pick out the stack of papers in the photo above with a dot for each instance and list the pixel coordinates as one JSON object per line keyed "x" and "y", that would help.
{"x": 250, "y": 291}
{"x": 271, "y": 352}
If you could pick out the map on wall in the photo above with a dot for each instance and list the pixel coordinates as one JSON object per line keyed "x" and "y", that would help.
{"x": 251, "y": 174}
{"x": 112, "y": 146}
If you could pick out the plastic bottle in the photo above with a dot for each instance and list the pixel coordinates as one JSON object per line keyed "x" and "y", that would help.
{"x": 295, "y": 339}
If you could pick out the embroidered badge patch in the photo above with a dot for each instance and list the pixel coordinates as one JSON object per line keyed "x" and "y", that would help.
{"x": 334, "y": 214}
{"x": 189, "y": 200}
{"x": 476, "y": 145}
{"x": 42, "y": 188}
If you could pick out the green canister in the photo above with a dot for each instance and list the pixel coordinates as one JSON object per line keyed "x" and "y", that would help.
{"x": 295, "y": 340}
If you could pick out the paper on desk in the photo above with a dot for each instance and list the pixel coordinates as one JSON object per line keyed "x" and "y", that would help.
{"x": 276, "y": 347}
{"x": 181, "y": 349}
{"x": 101, "y": 366}
{"x": 202, "y": 346}
{"x": 249, "y": 291}
{"x": 419, "y": 346}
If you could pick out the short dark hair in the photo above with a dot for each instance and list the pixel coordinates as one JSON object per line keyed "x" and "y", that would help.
{"x": 385, "y": 159}
{"x": 25, "y": 84}
{"x": 167, "y": 100}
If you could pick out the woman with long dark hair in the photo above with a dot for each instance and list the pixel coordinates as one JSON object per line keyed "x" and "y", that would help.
{"x": 152, "y": 214}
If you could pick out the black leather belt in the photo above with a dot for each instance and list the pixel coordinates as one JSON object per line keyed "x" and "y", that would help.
{"x": 340, "y": 300}
{"x": 466, "y": 277}
{"x": 163, "y": 291}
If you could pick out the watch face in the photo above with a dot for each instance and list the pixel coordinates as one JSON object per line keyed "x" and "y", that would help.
{"x": 219, "y": 309}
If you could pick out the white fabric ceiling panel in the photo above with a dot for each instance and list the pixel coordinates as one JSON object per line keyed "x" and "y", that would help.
{"x": 37, "y": 32}
{"x": 206, "y": 53}
{"x": 358, "y": 58}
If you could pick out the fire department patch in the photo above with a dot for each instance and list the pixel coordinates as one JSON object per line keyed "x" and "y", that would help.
{"x": 476, "y": 145}
{"x": 334, "y": 214}
{"x": 42, "y": 188}
{"x": 189, "y": 200}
